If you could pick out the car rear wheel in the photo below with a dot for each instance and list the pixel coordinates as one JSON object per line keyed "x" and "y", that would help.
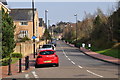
{"x": 56, "y": 65}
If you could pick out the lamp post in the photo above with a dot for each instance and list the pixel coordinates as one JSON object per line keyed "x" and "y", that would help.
{"x": 76, "y": 26}
{"x": 33, "y": 28}
{"x": 46, "y": 19}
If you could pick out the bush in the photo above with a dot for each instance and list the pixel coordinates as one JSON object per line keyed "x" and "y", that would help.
{"x": 24, "y": 39}
{"x": 4, "y": 61}
{"x": 16, "y": 55}
{"x": 78, "y": 45}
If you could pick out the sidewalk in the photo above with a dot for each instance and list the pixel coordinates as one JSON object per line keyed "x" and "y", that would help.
{"x": 99, "y": 56}
{"x": 15, "y": 67}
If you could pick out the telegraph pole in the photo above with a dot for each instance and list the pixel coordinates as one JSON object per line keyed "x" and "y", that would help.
{"x": 33, "y": 28}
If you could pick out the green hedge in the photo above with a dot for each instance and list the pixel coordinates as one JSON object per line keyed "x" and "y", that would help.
{"x": 16, "y": 55}
{"x": 78, "y": 45}
{"x": 4, "y": 61}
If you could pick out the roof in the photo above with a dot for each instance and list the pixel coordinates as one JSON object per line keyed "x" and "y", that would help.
{"x": 23, "y": 14}
{"x": 4, "y": 2}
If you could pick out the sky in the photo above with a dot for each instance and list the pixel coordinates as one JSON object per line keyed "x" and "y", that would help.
{"x": 64, "y": 11}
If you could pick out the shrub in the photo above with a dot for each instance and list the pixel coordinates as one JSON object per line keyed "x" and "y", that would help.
{"x": 24, "y": 39}
{"x": 4, "y": 61}
{"x": 16, "y": 55}
{"x": 77, "y": 45}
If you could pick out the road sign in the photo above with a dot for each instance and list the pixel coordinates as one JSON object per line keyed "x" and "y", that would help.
{"x": 34, "y": 37}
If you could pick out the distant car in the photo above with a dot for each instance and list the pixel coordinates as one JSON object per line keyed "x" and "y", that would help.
{"x": 54, "y": 43}
{"x": 47, "y": 57}
{"x": 48, "y": 46}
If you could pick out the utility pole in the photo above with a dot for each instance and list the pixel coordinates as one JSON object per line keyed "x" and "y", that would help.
{"x": 33, "y": 28}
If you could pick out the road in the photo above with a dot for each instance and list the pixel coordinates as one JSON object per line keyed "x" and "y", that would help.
{"x": 73, "y": 64}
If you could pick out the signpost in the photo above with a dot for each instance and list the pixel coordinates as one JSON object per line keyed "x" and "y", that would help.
{"x": 34, "y": 37}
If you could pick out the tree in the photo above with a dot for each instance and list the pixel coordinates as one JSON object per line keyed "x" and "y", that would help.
{"x": 8, "y": 43}
{"x": 46, "y": 35}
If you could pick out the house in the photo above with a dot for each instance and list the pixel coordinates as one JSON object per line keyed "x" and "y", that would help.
{"x": 3, "y": 4}
{"x": 41, "y": 27}
{"x": 23, "y": 19}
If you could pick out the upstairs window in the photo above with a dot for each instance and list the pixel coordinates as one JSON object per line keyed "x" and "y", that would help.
{"x": 24, "y": 23}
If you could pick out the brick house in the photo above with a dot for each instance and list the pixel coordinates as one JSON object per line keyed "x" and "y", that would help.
{"x": 23, "y": 19}
{"x": 3, "y": 4}
{"x": 41, "y": 28}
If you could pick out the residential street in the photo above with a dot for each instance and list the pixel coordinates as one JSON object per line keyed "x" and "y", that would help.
{"x": 73, "y": 64}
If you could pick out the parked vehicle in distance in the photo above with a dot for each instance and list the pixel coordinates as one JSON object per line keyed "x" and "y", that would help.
{"x": 48, "y": 46}
{"x": 47, "y": 57}
{"x": 54, "y": 43}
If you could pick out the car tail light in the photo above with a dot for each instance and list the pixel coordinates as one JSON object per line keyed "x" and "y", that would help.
{"x": 56, "y": 56}
{"x": 39, "y": 57}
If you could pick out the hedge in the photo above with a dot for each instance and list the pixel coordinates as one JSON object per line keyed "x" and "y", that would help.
{"x": 16, "y": 55}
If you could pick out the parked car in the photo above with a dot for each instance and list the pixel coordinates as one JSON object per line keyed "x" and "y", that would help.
{"x": 48, "y": 46}
{"x": 47, "y": 57}
{"x": 54, "y": 43}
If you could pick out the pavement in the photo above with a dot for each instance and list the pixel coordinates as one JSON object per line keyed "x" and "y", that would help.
{"x": 15, "y": 67}
{"x": 98, "y": 56}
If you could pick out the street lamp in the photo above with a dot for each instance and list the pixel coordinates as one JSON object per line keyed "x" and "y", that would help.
{"x": 46, "y": 19}
{"x": 76, "y": 26}
{"x": 33, "y": 28}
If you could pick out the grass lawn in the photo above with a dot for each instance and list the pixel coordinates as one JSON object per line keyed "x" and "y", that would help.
{"x": 110, "y": 52}
{"x": 6, "y": 60}
{"x": 14, "y": 60}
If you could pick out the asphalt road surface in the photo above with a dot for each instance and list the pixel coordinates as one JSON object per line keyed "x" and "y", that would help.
{"x": 73, "y": 64}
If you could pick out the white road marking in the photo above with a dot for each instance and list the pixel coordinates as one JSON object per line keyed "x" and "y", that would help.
{"x": 68, "y": 58}
{"x": 94, "y": 73}
{"x": 72, "y": 62}
{"x": 27, "y": 76}
{"x": 80, "y": 66}
{"x": 36, "y": 76}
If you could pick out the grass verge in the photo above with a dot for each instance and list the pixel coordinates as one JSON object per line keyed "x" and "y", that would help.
{"x": 110, "y": 52}
{"x": 5, "y": 61}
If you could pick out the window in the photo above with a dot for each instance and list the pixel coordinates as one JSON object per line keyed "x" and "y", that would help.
{"x": 23, "y": 23}
{"x": 46, "y": 52}
{"x": 46, "y": 46}
{"x": 23, "y": 33}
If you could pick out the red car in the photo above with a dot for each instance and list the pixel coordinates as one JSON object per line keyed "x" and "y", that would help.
{"x": 47, "y": 57}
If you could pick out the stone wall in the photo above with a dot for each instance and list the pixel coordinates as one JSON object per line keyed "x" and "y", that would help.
{"x": 27, "y": 47}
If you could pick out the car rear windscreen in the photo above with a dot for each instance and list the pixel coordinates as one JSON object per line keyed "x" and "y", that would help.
{"x": 46, "y": 46}
{"x": 46, "y": 52}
